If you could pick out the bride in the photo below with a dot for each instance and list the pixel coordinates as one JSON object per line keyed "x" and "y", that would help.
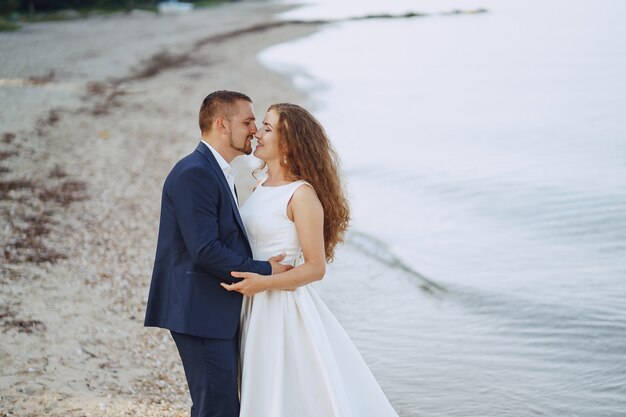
{"x": 297, "y": 361}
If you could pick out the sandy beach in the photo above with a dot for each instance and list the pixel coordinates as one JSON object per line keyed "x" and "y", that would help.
{"x": 94, "y": 114}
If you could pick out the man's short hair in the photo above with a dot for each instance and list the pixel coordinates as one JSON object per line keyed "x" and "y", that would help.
{"x": 219, "y": 103}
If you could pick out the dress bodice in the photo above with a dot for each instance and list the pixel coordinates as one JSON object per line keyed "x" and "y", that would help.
{"x": 269, "y": 229}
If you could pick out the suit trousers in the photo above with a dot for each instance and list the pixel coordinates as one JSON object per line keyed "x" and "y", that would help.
{"x": 211, "y": 368}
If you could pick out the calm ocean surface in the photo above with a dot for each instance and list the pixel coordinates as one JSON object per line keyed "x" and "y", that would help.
{"x": 485, "y": 273}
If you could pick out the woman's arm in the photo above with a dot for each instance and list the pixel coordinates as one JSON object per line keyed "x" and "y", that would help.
{"x": 307, "y": 213}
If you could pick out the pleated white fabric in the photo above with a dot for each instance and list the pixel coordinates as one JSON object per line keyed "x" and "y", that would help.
{"x": 297, "y": 360}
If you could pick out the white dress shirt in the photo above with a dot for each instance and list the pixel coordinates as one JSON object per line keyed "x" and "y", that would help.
{"x": 229, "y": 172}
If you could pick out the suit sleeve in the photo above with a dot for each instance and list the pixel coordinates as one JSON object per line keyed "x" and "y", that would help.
{"x": 194, "y": 195}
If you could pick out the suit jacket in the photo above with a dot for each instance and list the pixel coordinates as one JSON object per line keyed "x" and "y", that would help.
{"x": 201, "y": 240}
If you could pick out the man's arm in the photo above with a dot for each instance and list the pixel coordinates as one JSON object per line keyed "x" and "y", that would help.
{"x": 194, "y": 195}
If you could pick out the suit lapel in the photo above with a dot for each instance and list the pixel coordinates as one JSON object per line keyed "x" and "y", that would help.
{"x": 204, "y": 150}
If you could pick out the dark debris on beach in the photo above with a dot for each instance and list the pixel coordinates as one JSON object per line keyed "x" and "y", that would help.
{"x": 28, "y": 207}
{"x": 9, "y": 320}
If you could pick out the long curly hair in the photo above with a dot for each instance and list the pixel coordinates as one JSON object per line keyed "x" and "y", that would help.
{"x": 308, "y": 155}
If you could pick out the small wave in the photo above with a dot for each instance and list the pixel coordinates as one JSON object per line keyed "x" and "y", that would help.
{"x": 380, "y": 251}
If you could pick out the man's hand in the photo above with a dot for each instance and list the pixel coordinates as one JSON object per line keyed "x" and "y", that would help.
{"x": 250, "y": 284}
{"x": 277, "y": 267}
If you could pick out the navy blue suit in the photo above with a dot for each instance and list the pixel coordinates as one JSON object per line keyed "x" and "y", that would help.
{"x": 201, "y": 240}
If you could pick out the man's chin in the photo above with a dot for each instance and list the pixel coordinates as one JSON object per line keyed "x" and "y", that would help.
{"x": 244, "y": 151}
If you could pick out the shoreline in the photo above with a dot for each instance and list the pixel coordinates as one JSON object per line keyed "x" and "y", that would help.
{"x": 83, "y": 161}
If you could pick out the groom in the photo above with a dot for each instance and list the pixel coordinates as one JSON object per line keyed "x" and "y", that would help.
{"x": 201, "y": 240}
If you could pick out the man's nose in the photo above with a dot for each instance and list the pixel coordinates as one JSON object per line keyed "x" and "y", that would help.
{"x": 253, "y": 129}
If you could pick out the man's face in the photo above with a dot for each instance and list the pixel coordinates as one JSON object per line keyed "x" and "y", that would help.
{"x": 242, "y": 128}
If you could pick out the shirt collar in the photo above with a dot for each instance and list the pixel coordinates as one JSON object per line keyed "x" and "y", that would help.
{"x": 219, "y": 158}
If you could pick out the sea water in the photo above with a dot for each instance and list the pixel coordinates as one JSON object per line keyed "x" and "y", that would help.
{"x": 485, "y": 157}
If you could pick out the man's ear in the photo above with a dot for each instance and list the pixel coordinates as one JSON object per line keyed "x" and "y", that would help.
{"x": 220, "y": 123}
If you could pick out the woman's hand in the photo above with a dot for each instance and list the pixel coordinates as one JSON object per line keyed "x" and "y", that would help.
{"x": 251, "y": 284}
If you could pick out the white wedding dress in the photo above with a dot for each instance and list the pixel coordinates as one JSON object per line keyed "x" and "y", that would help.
{"x": 297, "y": 360}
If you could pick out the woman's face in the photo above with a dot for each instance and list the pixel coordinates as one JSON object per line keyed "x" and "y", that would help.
{"x": 267, "y": 145}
